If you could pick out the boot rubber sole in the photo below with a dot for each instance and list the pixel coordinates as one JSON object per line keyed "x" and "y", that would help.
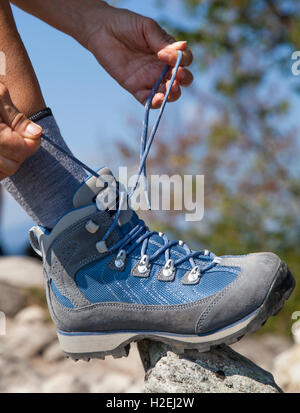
{"x": 85, "y": 345}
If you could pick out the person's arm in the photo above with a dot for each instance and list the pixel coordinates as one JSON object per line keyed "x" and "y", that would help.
{"x": 19, "y": 137}
{"x": 132, "y": 48}
{"x": 73, "y": 17}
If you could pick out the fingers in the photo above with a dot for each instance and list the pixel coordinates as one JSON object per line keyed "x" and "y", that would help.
{"x": 184, "y": 77}
{"x": 17, "y": 121}
{"x": 165, "y": 45}
{"x": 158, "y": 98}
{"x": 8, "y": 167}
{"x": 19, "y": 137}
{"x": 25, "y": 127}
{"x": 157, "y": 38}
{"x": 160, "y": 95}
{"x": 166, "y": 49}
{"x": 14, "y": 147}
{"x": 169, "y": 54}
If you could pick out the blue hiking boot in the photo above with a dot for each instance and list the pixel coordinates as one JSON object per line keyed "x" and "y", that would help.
{"x": 111, "y": 281}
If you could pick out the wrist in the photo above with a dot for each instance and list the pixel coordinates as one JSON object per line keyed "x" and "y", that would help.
{"x": 92, "y": 18}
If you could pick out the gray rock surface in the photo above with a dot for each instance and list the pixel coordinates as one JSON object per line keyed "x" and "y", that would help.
{"x": 53, "y": 352}
{"x": 16, "y": 374}
{"x": 18, "y": 275}
{"x": 221, "y": 370}
{"x": 287, "y": 369}
{"x": 29, "y": 335}
{"x": 64, "y": 383}
{"x": 12, "y": 299}
{"x": 21, "y": 272}
{"x": 30, "y": 357}
{"x": 263, "y": 349}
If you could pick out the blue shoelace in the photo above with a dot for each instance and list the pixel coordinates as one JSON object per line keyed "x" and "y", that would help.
{"x": 141, "y": 234}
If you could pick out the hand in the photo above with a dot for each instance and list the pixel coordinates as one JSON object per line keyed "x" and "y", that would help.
{"x": 134, "y": 49}
{"x": 19, "y": 137}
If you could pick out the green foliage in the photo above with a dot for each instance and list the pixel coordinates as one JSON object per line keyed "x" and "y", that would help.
{"x": 249, "y": 151}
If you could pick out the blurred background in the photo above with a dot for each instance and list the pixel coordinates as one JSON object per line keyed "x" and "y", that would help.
{"x": 238, "y": 125}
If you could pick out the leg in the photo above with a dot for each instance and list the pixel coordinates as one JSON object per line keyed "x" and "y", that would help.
{"x": 45, "y": 183}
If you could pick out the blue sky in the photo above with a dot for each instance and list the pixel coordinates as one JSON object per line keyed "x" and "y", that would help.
{"x": 92, "y": 110}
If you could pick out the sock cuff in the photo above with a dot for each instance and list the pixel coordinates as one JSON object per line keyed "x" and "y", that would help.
{"x": 46, "y": 181}
{"x": 41, "y": 115}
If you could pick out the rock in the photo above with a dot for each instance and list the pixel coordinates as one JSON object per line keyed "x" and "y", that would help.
{"x": 112, "y": 383}
{"x": 135, "y": 388}
{"x": 53, "y": 352}
{"x": 263, "y": 349}
{"x": 296, "y": 327}
{"x": 12, "y": 299}
{"x": 17, "y": 276}
{"x": 29, "y": 334}
{"x": 21, "y": 272}
{"x": 221, "y": 370}
{"x": 30, "y": 315}
{"x": 287, "y": 369}
{"x": 65, "y": 383}
{"x": 16, "y": 375}
{"x": 27, "y": 342}
{"x": 297, "y": 337}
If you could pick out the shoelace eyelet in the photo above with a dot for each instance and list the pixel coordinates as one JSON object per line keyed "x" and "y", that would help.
{"x": 194, "y": 274}
{"x": 101, "y": 247}
{"x": 168, "y": 269}
{"x": 143, "y": 266}
{"x": 120, "y": 259}
{"x": 91, "y": 227}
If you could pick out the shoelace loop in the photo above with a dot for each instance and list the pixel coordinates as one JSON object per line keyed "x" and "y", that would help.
{"x": 141, "y": 234}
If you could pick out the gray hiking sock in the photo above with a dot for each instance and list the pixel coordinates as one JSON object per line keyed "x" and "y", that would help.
{"x": 45, "y": 184}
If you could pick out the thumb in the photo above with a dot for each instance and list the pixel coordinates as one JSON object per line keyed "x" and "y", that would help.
{"x": 156, "y": 37}
{"x": 13, "y": 118}
{"x": 164, "y": 45}
{"x": 26, "y": 128}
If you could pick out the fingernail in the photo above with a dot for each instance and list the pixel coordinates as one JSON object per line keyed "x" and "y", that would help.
{"x": 178, "y": 45}
{"x": 33, "y": 129}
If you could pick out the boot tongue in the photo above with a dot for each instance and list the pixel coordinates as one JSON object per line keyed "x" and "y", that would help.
{"x": 106, "y": 196}
{"x": 92, "y": 187}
